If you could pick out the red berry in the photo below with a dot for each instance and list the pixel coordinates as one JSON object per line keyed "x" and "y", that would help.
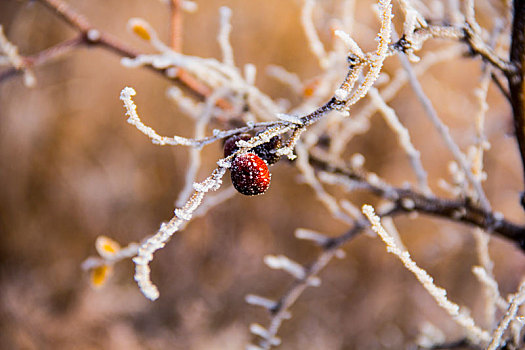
{"x": 267, "y": 150}
{"x": 230, "y": 145}
{"x": 250, "y": 175}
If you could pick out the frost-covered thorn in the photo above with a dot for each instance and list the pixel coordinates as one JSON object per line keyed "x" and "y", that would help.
{"x": 262, "y": 332}
{"x": 172, "y": 72}
{"x": 281, "y": 262}
{"x": 340, "y": 254}
{"x": 357, "y": 160}
{"x": 314, "y": 281}
{"x": 260, "y": 301}
{"x": 498, "y": 216}
{"x": 408, "y": 203}
{"x": 356, "y": 53}
{"x": 373, "y": 179}
{"x": 316, "y": 237}
{"x": 290, "y": 118}
{"x": 93, "y": 35}
{"x": 189, "y": 6}
{"x": 459, "y": 213}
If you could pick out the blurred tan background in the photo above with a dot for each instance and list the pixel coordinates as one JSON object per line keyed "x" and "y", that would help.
{"x": 72, "y": 169}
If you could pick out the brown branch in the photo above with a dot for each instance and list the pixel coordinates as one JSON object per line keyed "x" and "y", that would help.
{"x": 516, "y": 82}
{"x": 456, "y": 210}
{"x": 463, "y": 33}
{"x": 93, "y": 37}
{"x": 43, "y": 56}
{"x": 479, "y": 47}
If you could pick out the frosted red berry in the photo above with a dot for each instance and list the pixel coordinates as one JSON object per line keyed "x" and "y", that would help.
{"x": 267, "y": 151}
{"x": 230, "y": 145}
{"x": 250, "y": 175}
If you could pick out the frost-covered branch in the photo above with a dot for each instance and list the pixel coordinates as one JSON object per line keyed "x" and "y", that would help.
{"x": 445, "y": 134}
{"x": 409, "y": 200}
{"x": 163, "y": 235}
{"x": 439, "y": 294}
{"x": 280, "y": 309}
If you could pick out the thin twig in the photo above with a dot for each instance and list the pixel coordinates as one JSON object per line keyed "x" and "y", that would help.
{"x": 176, "y": 25}
{"x": 68, "y": 15}
{"x": 403, "y": 138}
{"x": 92, "y": 36}
{"x": 44, "y": 56}
{"x": 444, "y": 132}
{"x": 280, "y": 311}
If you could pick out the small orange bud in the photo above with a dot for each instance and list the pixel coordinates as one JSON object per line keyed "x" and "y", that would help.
{"x": 106, "y": 247}
{"x": 100, "y": 274}
{"x": 140, "y": 27}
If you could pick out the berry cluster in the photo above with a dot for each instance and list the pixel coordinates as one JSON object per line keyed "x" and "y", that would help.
{"x": 249, "y": 171}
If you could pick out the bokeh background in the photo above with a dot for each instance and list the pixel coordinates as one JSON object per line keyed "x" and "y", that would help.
{"x": 72, "y": 169}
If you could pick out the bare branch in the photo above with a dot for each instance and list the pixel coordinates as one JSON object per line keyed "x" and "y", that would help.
{"x": 454, "y": 210}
